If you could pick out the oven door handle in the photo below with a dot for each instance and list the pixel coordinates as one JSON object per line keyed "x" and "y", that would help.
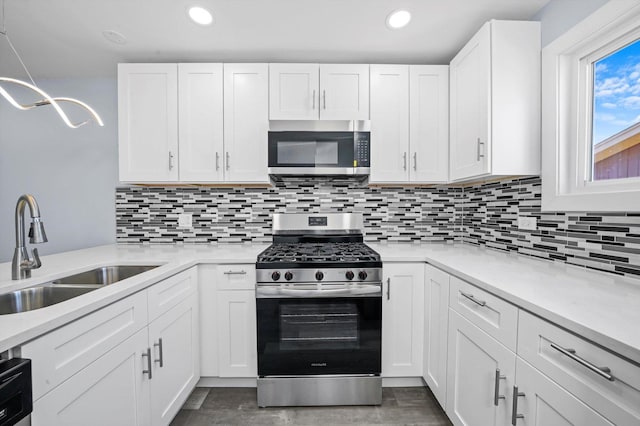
{"x": 362, "y": 290}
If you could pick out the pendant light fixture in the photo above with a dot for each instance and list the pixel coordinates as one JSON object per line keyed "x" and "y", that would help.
{"x": 45, "y": 98}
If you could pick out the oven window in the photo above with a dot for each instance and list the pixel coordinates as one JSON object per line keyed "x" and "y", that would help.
{"x": 312, "y": 326}
{"x": 308, "y": 152}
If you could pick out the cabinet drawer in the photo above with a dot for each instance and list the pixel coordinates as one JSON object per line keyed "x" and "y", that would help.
{"x": 168, "y": 293}
{"x": 236, "y": 277}
{"x": 581, "y": 369}
{"x": 496, "y": 317}
{"x": 60, "y": 354}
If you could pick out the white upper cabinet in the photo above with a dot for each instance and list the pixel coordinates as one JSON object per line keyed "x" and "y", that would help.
{"x": 345, "y": 92}
{"x": 389, "y": 123}
{"x": 429, "y": 123}
{"x": 246, "y": 122}
{"x": 495, "y": 102}
{"x": 312, "y": 92}
{"x": 409, "y": 123}
{"x": 294, "y": 91}
{"x": 200, "y": 120}
{"x": 148, "y": 122}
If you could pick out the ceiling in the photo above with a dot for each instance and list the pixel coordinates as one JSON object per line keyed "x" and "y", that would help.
{"x": 63, "y": 38}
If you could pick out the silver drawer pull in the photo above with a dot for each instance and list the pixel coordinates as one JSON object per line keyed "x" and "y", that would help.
{"x": 514, "y": 410}
{"x": 147, "y": 355}
{"x": 496, "y": 390}
{"x": 473, "y": 299}
{"x": 159, "y": 346}
{"x": 235, "y": 272}
{"x": 571, "y": 353}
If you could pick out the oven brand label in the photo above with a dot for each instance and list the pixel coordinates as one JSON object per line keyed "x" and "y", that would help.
{"x": 318, "y": 364}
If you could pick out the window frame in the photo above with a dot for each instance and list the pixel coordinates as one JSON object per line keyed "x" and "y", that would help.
{"x": 567, "y": 107}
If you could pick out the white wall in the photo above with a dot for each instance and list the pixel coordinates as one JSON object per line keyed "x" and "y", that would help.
{"x": 560, "y": 15}
{"x": 71, "y": 172}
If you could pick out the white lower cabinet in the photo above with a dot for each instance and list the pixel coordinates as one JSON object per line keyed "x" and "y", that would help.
{"x": 237, "y": 341}
{"x": 436, "y": 326}
{"x": 110, "y": 391}
{"x": 480, "y": 375}
{"x": 142, "y": 379}
{"x": 542, "y": 402}
{"x": 173, "y": 340}
{"x": 402, "y": 319}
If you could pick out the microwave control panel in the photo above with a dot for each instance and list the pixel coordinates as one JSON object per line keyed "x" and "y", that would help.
{"x": 362, "y": 153}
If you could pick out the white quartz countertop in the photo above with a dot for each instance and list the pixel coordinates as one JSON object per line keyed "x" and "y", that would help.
{"x": 601, "y": 307}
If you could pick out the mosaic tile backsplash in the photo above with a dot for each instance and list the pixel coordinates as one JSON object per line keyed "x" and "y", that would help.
{"x": 484, "y": 214}
{"x": 150, "y": 215}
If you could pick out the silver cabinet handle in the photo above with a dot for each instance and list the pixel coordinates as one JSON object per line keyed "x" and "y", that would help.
{"x": 243, "y": 272}
{"x": 496, "y": 390}
{"x": 479, "y": 155}
{"x": 170, "y": 160}
{"x": 514, "y": 412}
{"x": 217, "y": 161}
{"x": 160, "y": 360}
{"x": 324, "y": 99}
{"x": 571, "y": 353}
{"x": 415, "y": 161}
{"x": 404, "y": 160}
{"x": 147, "y": 354}
{"x": 314, "y": 99}
{"x": 227, "y": 160}
{"x": 473, "y": 299}
{"x": 388, "y": 288}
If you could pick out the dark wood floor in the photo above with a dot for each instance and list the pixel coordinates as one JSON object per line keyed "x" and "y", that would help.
{"x": 237, "y": 406}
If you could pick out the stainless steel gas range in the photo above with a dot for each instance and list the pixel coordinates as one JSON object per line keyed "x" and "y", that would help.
{"x": 319, "y": 312}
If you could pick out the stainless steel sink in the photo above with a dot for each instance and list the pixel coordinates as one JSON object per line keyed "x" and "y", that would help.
{"x": 104, "y": 275}
{"x": 38, "y": 297}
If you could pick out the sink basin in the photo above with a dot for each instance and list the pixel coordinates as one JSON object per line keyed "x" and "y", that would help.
{"x": 105, "y": 275}
{"x": 38, "y": 297}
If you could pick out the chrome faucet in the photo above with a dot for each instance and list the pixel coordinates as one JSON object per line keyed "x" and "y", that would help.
{"x": 21, "y": 265}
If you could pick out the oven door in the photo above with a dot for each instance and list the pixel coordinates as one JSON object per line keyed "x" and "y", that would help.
{"x": 311, "y": 153}
{"x": 319, "y": 335}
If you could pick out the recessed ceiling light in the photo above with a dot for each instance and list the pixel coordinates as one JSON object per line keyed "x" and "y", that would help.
{"x": 398, "y": 19}
{"x": 200, "y": 15}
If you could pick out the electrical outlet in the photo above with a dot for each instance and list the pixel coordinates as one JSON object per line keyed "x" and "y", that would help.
{"x": 185, "y": 220}
{"x": 527, "y": 222}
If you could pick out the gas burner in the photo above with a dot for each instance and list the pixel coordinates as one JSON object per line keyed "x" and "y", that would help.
{"x": 300, "y": 255}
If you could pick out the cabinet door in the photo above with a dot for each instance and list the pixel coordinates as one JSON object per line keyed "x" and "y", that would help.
{"x": 294, "y": 91}
{"x": 173, "y": 339}
{"x": 389, "y": 123}
{"x": 545, "y": 403}
{"x": 110, "y": 391}
{"x": 475, "y": 360}
{"x": 246, "y": 122}
{"x": 148, "y": 122}
{"x": 470, "y": 81}
{"x": 200, "y": 119}
{"x": 402, "y": 320}
{"x": 436, "y": 316}
{"x": 429, "y": 118}
{"x": 344, "y": 92}
{"x": 237, "y": 343}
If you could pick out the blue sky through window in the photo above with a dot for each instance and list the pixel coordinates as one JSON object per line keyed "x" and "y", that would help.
{"x": 616, "y": 89}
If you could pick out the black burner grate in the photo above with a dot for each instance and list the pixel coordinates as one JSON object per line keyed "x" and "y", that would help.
{"x": 311, "y": 252}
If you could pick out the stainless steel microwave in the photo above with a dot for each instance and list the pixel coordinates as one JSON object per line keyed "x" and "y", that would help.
{"x": 319, "y": 153}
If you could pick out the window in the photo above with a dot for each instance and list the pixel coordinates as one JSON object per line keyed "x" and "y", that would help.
{"x": 615, "y": 119}
{"x": 591, "y": 113}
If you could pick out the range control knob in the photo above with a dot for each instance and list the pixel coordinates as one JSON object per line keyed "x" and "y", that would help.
{"x": 288, "y": 276}
{"x": 275, "y": 276}
{"x": 319, "y": 276}
{"x": 362, "y": 275}
{"x": 349, "y": 275}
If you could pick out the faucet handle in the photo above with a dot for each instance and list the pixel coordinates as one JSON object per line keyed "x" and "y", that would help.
{"x": 35, "y": 263}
